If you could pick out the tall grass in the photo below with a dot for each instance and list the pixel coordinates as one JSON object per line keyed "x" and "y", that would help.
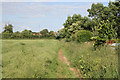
{"x": 28, "y": 58}
{"x": 102, "y": 63}
{"x": 39, "y": 59}
{"x": 32, "y": 59}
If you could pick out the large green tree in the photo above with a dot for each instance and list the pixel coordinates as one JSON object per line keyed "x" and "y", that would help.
{"x": 70, "y": 20}
{"x": 76, "y": 23}
{"x": 51, "y": 34}
{"x": 8, "y": 28}
{"x": 26, "y": 34}
{"x": 106, "y": 32}
{"x": 16, "y": 35}
{"x": 8, "y": 31}
{"x": 110, "y": 18}
{"x": 96, "y": 10}
{"x": 115, "y": 11}
{"x": 44, "y": 33}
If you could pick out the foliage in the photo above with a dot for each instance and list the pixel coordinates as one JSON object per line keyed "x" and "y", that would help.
{"x": 8, "y": 28}
{"x": 115, "y": 11}
{"x": 95, "y": 10}
{"x": 76, "y": 23}
{"x": 106, "y": 32}
{"x": 44, "y": 31}
{"x": 6, "y": 35}
{"x": 101, "y": 15}
{"x": 60, "y": 34}
{"x": 16, "y": 35}
{"x": 83, "y": 36}
{"x": 46, "y": 34}
{"x": 26, "y": 34}
{"x": 106, "y": 21}
{"x": 51, "y": 34}
{"x": 101, "y": 63}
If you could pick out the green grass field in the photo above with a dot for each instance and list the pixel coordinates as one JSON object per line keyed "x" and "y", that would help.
{"x": 39, "y": 59}
{"x": 31, "y": 59}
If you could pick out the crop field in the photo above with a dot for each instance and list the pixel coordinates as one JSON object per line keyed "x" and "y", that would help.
{"x": 56, "y": 59}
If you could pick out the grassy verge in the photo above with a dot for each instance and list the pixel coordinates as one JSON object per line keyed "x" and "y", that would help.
{"x": 101, "y": 63}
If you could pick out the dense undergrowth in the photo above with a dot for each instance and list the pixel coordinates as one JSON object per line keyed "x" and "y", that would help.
{"x": 100, "y": 63}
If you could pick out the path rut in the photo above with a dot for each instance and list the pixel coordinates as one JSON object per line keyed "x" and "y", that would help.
{"x": 65, "y": 60}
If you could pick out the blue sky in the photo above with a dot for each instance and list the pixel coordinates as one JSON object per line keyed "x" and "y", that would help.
{"x": 36, "y": 16}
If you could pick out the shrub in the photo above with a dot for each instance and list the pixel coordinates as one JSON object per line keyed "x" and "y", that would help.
{"x": 83, "y": 36}
{"x": 90, "y": 63}
{"x": 117, "y": 40}
{"x": 68, "y": 39}
{"x": 6, "y": 35}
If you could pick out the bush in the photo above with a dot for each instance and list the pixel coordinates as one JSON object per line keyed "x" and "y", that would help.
{"x": 67, "y": 39}
{"x": 6, "y": 35}
{"x": 117, "y": 40}
{"x": 83, "y": 36}
{"x": 90, "y": 63}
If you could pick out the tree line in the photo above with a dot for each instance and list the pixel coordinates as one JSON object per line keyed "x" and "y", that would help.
{"x": 25, "y": 34}
{"x": 101, "y": 25}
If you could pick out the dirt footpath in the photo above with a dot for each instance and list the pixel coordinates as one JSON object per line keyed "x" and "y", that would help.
{"x": 65, "y": 60}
